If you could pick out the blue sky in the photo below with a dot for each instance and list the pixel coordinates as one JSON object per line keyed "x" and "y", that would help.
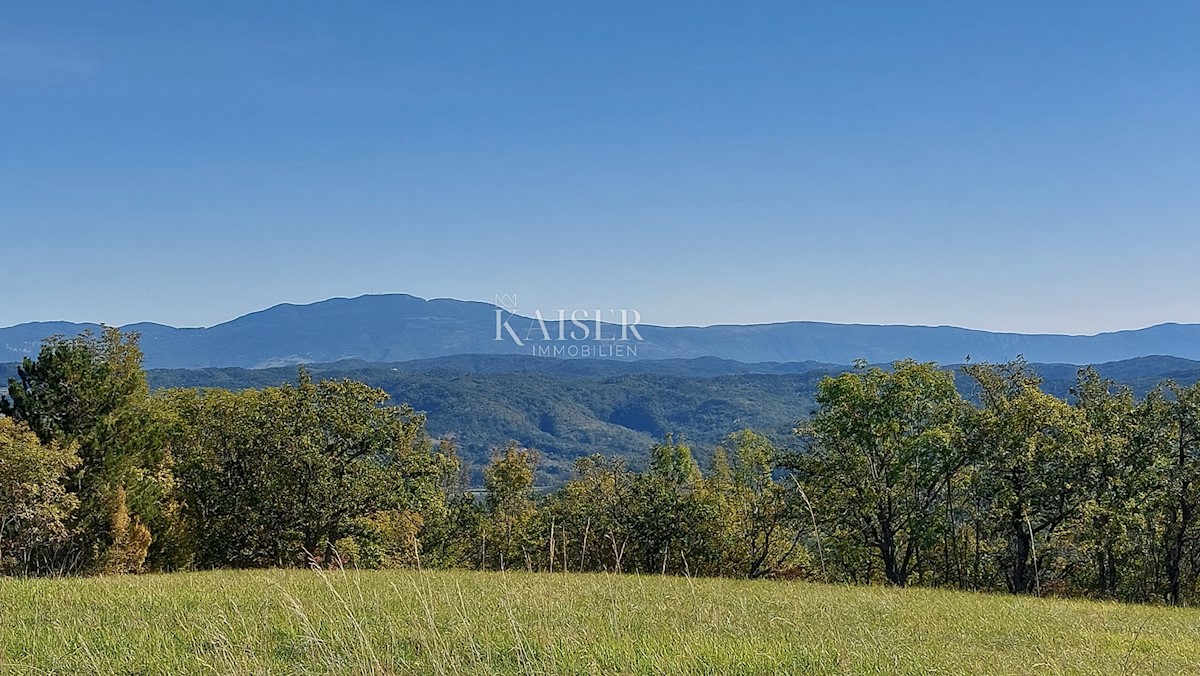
{"x": 1008, "y": 166}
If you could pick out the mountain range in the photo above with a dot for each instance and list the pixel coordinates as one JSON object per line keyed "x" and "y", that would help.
{"x": 401, "y": 327}
{"x": 440, "y": 356}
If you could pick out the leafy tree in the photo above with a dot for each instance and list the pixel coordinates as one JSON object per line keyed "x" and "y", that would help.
{"x": 90, "y": 391}
{"x": 883, "y": 445}
{"x": 510, "y": 505}
{"x": 674, "y": 463}
{"x": 452, "y": 521}
{"x": 278, "y": 476}
{"x": 673, "y": 521}
{"x": 757, "y": 512}
{"x": 34, "y": 508}
{"x": 593, "y": 509}
{"x": 1115, "y": 522}
{"x": 1035, "y": 462}
{"x": 1168, "y": 435}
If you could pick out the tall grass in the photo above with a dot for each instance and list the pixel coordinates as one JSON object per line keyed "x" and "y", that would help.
{"x": 520, "y": 623}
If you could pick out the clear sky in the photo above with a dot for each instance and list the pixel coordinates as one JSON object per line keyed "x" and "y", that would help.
{"x": 1013, "y": 166}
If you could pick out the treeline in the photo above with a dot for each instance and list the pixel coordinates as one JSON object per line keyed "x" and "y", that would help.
{"x": 895, "y": 478}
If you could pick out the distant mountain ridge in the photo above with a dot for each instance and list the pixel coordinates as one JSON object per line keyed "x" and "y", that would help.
{"x": 400, "y": 327}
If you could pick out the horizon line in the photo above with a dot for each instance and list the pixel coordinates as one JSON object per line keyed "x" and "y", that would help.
{"x": 662, "y": 326}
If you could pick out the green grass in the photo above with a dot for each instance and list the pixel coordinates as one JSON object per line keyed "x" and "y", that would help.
{"x": 492, "y": 623}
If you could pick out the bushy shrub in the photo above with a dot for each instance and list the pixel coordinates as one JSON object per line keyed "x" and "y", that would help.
{"x": 34, "y": 506}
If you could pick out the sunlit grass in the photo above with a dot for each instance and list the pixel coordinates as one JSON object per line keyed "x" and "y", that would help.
{"x": 516, "y": 623}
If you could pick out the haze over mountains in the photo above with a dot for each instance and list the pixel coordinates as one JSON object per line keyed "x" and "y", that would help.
{"x": 399, "y": 327}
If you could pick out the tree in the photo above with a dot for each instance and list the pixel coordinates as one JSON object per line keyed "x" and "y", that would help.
{"x": 1035, "y": 464}
{"x": 883, "y": 445}
{"x": 594, "y": 508}
{"x": 674, "y": 463}
{"x": 1167, "y": 435}
{"x": 34, "y": 508}
{"x": 756, "y": 510}
{"x": 452, "y": 519}
{"x": 673, "y": 521}
{"x": 510, "y": 505}
{"x": 1114, "y": 523}
{"x": 278, "y": 476}
{"x": 90, "y": 391}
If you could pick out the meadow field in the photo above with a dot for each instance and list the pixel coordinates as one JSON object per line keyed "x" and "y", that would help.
{"x": 433, "y": 622}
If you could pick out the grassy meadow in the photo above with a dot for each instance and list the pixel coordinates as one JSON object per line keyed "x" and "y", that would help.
{"x": 518, "y": 623}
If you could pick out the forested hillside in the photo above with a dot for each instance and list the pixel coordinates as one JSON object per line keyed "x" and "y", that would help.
{"x": 975, "y": 478}
{"x": 570, "y": 408}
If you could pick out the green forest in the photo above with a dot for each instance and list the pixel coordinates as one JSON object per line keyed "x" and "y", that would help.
{"x": 907, "y": 475}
